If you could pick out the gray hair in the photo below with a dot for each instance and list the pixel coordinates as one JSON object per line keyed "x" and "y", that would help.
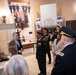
{"x": 69, "y": 39}
{"x": 16, "y": 66}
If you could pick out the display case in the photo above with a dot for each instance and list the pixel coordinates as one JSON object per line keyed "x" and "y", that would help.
{"x": 6, "y": 31}
{"x": 71, "y": 24}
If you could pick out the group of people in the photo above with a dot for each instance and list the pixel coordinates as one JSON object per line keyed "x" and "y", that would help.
{"x": 65, "y": 63}
{"x": 63, "y": 49}
{"x": 43, "y": 47}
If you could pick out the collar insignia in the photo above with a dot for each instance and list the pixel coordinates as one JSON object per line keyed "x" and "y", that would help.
{"x": 39, "y": 44}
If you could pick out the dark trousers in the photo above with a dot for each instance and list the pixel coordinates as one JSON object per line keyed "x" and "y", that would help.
{"x": 42, "y": 65}
{"x": 49, "y": 55}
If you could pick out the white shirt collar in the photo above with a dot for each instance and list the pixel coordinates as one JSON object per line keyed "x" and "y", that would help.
{"x": 68, "y": 44}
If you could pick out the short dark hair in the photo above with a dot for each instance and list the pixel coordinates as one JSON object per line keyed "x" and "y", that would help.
{"x": 40, "y": 33}
{"x": 45, "y": 29}
{"x": 58, "y": 26}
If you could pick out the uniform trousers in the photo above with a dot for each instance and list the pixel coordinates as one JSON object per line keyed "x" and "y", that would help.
{"x": 42, "y": 65}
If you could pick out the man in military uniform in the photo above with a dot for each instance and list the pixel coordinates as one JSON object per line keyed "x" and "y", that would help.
{"x": 66, "y": 59}
{"x": 46, "y": 38}
{"x": 41, "y": 54}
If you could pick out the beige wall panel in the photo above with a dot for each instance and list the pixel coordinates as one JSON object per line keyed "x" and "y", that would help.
{"x": 2, "y": 35}
{"x": 3, "y": 42}
{"x": 69, "y": 10}
{"x": 4, "y": 47}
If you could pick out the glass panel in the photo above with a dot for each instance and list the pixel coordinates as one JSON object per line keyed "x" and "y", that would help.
{"x": 5, "y": 38}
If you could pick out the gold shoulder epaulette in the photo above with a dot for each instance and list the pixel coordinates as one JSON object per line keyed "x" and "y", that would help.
{"x": 44, "y": 39}
{"x": 60, "y": 53}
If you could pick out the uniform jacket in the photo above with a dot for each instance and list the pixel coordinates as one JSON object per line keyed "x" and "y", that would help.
{"x": 40, "y": 52}
{"x": 46, "y": 38}
{"x": 66, "y": 61}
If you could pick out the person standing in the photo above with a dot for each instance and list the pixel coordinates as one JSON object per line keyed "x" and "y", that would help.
{"x": 46, "y": 37}
{"x": 17, "y": 65}
{"x": 41, "y": 54}
{"x": 58, "y": 30}
{"x": 57, "y": 46}
{"x": 66, "y": 59}
{"x": 15, "y": 46}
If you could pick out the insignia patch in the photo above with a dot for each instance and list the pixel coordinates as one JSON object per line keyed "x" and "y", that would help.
{"x": 39, "y": 44}
{"x": 44, "y": 39}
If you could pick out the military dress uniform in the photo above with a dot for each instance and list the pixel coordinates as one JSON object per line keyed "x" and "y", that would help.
{"x": 66, "y": 59}
{"x": 46, "y": 38}
{"x": 41, "y": 56}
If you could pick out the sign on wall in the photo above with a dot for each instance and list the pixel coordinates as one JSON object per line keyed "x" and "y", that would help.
{"x": 59, "y": 21}
{"x": 48, "y": 15}
{"x": 38, "y": 24}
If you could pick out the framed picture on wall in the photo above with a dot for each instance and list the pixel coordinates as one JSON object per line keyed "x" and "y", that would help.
{"x": 21, "y": 13}
{"x": 59, "y": 21}
{"x": 38, "y": 24}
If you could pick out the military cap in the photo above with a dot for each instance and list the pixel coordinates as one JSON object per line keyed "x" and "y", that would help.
{"x": 68, "y": 32}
